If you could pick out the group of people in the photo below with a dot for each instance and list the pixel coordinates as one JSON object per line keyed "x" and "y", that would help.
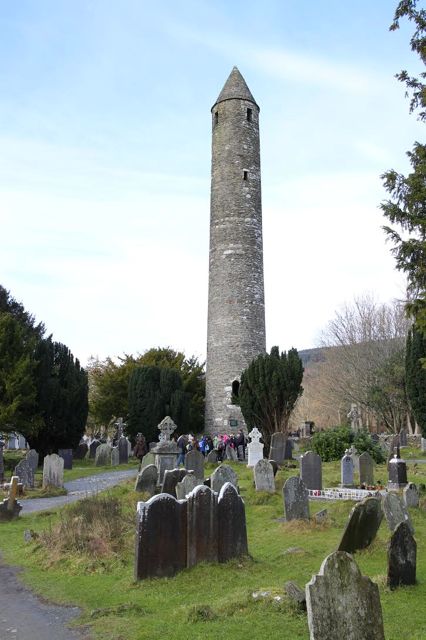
{"x": 204, "y": 444}
{"x": 218, "y": 443}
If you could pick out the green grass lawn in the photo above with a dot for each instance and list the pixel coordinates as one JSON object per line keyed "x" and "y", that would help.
{"x": 213, "y": 602}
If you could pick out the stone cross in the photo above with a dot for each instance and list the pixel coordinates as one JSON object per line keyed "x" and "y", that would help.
{"x": 166, "y": 427}
{"x": 354, "y": 417}
{"x": 13, "y": 492}
{"x": 120, "y": 424}
{"x": 255, "y": 447}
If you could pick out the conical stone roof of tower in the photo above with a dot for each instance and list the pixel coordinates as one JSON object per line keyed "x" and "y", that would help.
{"x": 235, "y": 88}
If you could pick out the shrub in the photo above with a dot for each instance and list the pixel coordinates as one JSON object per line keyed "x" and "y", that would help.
{"x": 332, "y": 444}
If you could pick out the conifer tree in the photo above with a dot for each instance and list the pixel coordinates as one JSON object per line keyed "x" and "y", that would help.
{"x": 416, "y": 376}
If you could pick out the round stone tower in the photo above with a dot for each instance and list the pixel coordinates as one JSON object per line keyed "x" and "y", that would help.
{"x": 236, "y": 312}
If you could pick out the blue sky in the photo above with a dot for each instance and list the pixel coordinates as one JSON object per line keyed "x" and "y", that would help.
{"x": 105, "y": 161}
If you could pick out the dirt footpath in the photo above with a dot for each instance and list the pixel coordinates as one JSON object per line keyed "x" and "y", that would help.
{"x": 24, "y": 616}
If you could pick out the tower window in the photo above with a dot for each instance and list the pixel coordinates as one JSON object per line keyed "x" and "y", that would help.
{"x": 249, "y": 115}
{"x": 245, "y": 175}
{"x": 216, "y": 117}
{"x": 236, "y": 388}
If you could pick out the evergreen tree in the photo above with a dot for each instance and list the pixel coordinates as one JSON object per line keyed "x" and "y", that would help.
{"x": 18, "y": 406}
{"x": 269, "y": 389}
{"x": 407, "y": 207}
{"x": 416, "y": 376}
{"x": 62, "y": 398}
{"x": 154, "y": 393}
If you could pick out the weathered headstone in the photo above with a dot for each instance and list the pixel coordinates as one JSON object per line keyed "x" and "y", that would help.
{"x": 311, "y": 470}
{"x": 53, "y": 471}
{"x": 194, "y": 461}
{"x": 254, "y": 447}
{"x": 347, "y": 470}
{"x": 66, "y": 454}
{"x": 32, "y": 458}
{"x": 92, "y": 448}
{"x": 264, "y": 476}
{"x": 296, "y": 499}
{"x": 395, "y": 512}
{"x": 25, "y": 473}
{"x": 170, "y": 480}
{"x": 274, "y": 466}
{"x": 149, "y": 458}
{"x": 221, "y": 475}
{"x": 278, "y": 447}
{"x": 321, "y": 516}
{"x": 147, "y": 479}
{"x": 410, "y": 495}
{"x": 402, "y": 554}
{"x": 232, "y": 530}
{"x": 202, "y": 526}
{"x": 103, "y": 455}
{"x": 362, "y": 526}
{"x": 230, "y": 453}
{"x": 423, "y": 445}
{"x": 81, "y": 451}
{"x": 397, "y": 473}
{"x": 289, "y": 446}
{"x": 403, "y": 438}
{"x": 161, "y": 537}
{"x": 212, "y": 456}
{"x": 123, "y": 450}
{"x": 366, "y": 469}
{"x": 186, "y": 485}
{"x": 166, "y": 451}
{"x": 342, "y": 604}
{"x": 115, "y": 457}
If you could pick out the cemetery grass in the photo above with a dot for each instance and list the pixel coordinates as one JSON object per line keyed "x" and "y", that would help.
{"x": 214, "y": 601}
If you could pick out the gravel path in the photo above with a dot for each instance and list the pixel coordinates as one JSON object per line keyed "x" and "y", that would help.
{"x": 78, "y": 489}
{"x": 25, "y": 616}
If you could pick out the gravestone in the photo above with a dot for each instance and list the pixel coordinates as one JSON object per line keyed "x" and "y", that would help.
{"x": 194, "y": 461}
{"x": 66, "y": 454}
{"x": 232, "y": 530}
{"x": 347, "y": 470}
{"x": 170, "y": 480}
{"x": 402, "y": 555}
{"x": 274, "y": 466}
{"x": 366, "y": 469}
{"x": 123, "y": 450}
{"x": 161, "y": 537}
{"x": 311, "y": 471}
{"x": 148, "y": 458}
{"x": 410, "y": 495}
{"x": 92, "y": 448}
{"x": 221, "y": 475}
{"x": 25, "y": 473}
{"x": 103, "y": 455}
{"x": 2, "y": 443}
{"x": 342, "y": 604}
{"x": 202, "y": 526}
{"x": 289, "y": 445}
{"x": 264, "y": 476}
{"x": 166, "y": 451}
{"x": 115, "y": 457}
{"x": 53, "y": 471}
{"x": 355, "y": 458}
{"x": 397, "y": 473}
{"x": 395, "y": 512}
{"x": 278, "y": 447}
{"x": 321, "y": 516}
{"x": 230, "y": 453}
{"x": 423, "y": 445}
{"x": 212, "y": 457}
{"x": 403, "y": 438}
{"x": 32, "y": 459}
{"x": 362, "y": 526}
{"x": 81, "y": 451}
{"x": 185, "y": 486}
{"x": 296, "y": 499}
{"x": 10, "y": 507}
{"x": 147, "y": 479}
{"x": 254, "y": 447}
{"x": 375, "y": 438}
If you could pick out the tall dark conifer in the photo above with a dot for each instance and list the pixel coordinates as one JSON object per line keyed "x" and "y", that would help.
{"x": 415, "y": 373}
